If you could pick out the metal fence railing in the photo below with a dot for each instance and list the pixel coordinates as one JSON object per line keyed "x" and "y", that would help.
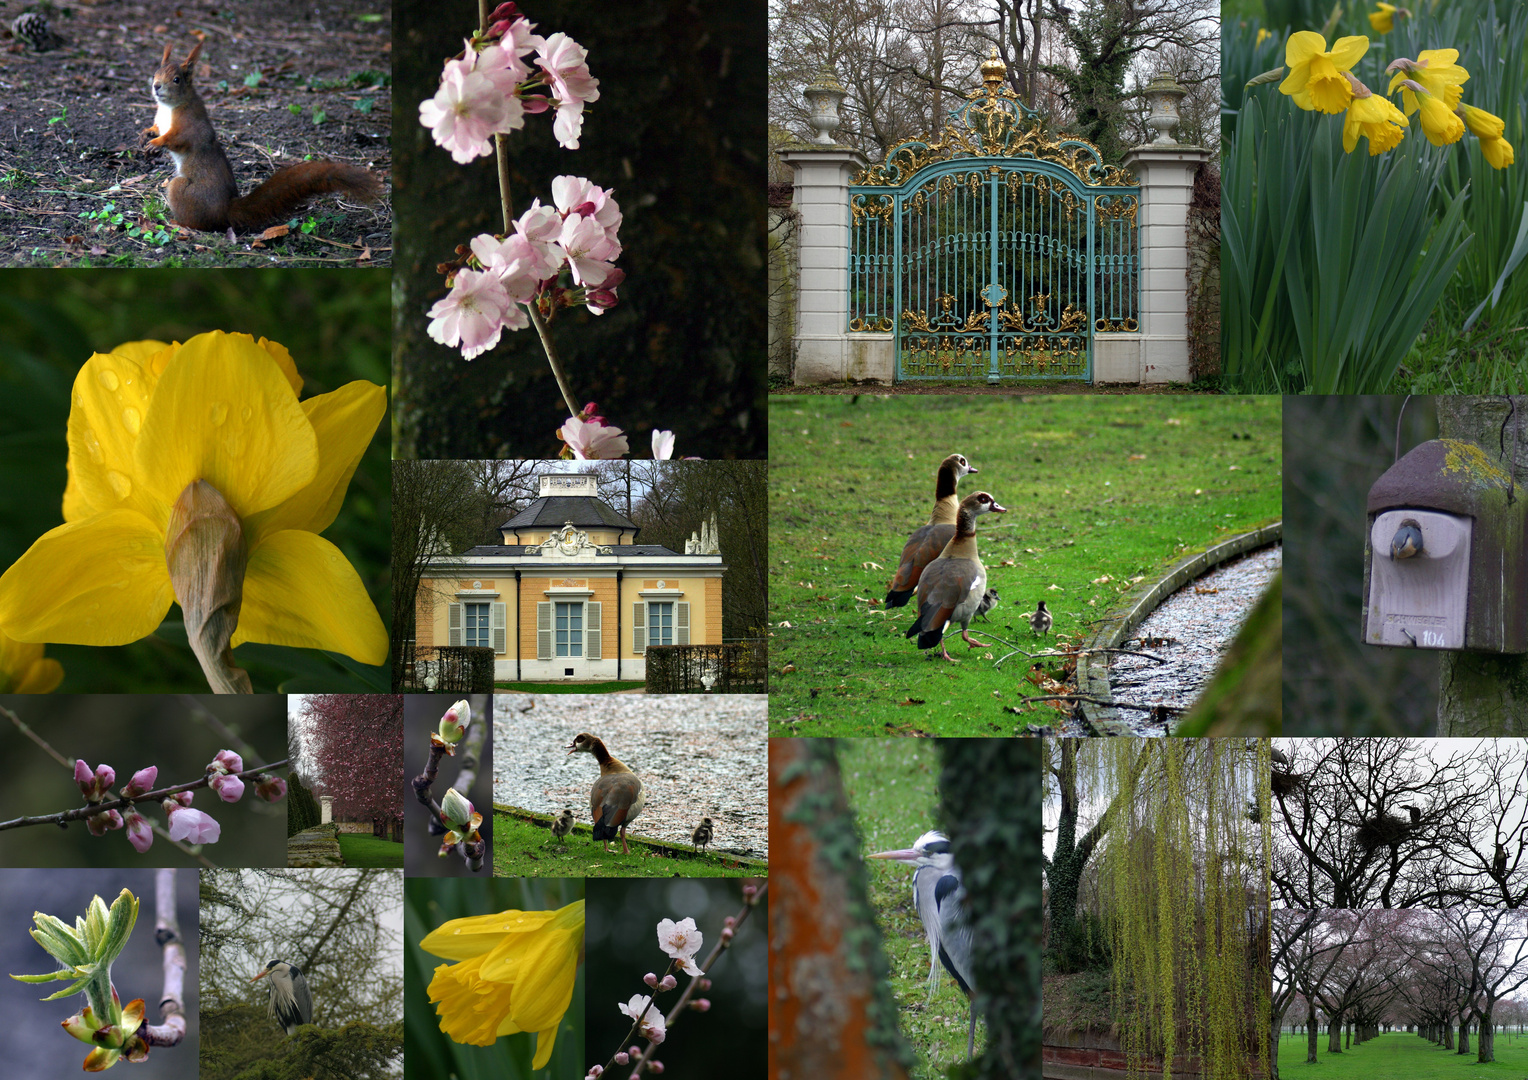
{"x": 738, "y": 667}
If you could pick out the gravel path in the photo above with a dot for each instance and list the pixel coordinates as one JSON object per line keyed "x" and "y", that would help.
{"x": 1198, "y": 623}
{"x": 697, "y": 756}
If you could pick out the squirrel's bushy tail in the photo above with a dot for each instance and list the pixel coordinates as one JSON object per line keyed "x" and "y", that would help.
{"x": 289, "y": 188}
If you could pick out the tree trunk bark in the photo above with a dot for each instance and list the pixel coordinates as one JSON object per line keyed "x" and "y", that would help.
{"x": 1334, "y": 1036}
{"x": 1312, "y": 1035}
{"x": 832, "y": 1016}
{"x": 1464, "y": 1036}
{"x": 1487, "y": 1040}
{"x": 1482, "y": 694}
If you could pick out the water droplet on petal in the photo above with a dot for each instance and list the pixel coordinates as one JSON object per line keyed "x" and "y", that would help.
{"x": 93, "y": 447}
{"x": 217, "y": 412}
{"x": 107, "y": 378}
{"x": 130, "y": 420}
{"x": 120, "y": 483}
{"x": 246, "y": 413}
{"x": 233, "y": 446}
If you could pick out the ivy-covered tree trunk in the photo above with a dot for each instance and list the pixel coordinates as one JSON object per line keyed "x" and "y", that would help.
{"x": 832, "y": 1016}
{"x": 991, "y": 793}
{"x": 1483, "y": 694}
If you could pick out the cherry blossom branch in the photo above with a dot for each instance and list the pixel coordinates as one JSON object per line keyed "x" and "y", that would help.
{"x": 38, "y": 739}
{"x": 167, "y": 934}
{"x": 63, "y": 817}
{"x": 752, "y": 895}
{"x": 470, "y": 845}
{"x": 552, "y": 358}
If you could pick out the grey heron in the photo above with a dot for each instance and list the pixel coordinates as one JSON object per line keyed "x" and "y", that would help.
{"x": 939, "y": 898}
{"x": 291, "y": 1005}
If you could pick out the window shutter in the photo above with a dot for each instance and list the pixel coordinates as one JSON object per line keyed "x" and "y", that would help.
{"x": 592, "y": 631}
{"x": 454, "y": 625}
{"x": 500, "y": 645}
{"x": 543, "y": 631}
{"x": 682, "y": 623}
{"x": 639, "y": 628}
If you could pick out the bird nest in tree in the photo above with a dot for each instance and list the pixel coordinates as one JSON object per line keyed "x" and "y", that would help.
{"x": 1382, "y": 830}
{"x": 1284, "y": 783}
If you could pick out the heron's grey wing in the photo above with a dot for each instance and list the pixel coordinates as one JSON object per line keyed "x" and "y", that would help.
{"x": 304, "y": 999}
{"x": 949, "y": 897}
{"x": 924, "y": 879}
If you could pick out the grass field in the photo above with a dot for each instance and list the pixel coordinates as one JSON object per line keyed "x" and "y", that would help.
{"x": 521, "y": 849}
{"x": 369, "y": 851}
{"x": 891, "y": 788}
{"x": 568, "y": 688}
{"x": 1101, "y": 492}
{"x": 1401, "y": 1056}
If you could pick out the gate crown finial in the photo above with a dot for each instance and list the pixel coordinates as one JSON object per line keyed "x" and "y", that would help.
{"x": 994, "y": 71}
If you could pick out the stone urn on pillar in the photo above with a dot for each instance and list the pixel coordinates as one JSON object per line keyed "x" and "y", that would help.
{"x": 825, "y": 96}
{"x": 1163, "y": 94}
{"x": 326, "y": 809}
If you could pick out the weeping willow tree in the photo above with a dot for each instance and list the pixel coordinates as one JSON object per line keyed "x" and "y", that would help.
{"x": 1183, "y": 887}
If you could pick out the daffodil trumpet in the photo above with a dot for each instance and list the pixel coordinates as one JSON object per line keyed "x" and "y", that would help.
{"x": 197, "y": 475}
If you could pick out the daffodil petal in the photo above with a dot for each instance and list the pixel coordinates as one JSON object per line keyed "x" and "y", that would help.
{"x": 143, "y": 352}
{"x": 1303, "y": 45}
{"x": 23, "y": 670}
{"x": 1349, "y": 51}
{"x": 100, "y": 581}
{"x": 223, "y": 412}
{"x": 463, "y": 939}
{"x": 109, "y": 403}
{"x": 344, "y": 423}
{"x": 284, "y": 361}
{"x": 300, "y": 590}
{"x": 42, "y": 677}
{"x": 546, "y": 1039}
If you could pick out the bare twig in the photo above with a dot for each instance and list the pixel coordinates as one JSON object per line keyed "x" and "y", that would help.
{"x": 203, "y": 713}
{"x": 38, "y": 739}
{"x": 1101, "y": 701}
{"x": 471, "y": 852}
{"x": 63, "y": 817}
{"x": 172, "y": 1008}
{"x": 1075, "y": 652}
{"x": 552, "y": 358}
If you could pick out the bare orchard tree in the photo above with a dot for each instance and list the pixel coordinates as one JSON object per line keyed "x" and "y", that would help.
{"x": 1487, "y": 956}
{"x": 1361, "y": 823}
{"x": 1307, "y": 948}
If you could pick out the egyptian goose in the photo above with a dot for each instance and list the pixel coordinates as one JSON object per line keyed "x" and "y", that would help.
{"x": 617, "y": 796}
{"x": 1040, "y": 620}
{"x": 927, "y": 541}
{"x": 951, "y": 587}
{"x": 702, "y": 834}
{"x": 562, "y": 824}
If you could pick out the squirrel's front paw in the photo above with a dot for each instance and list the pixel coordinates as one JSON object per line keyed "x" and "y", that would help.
{"x": 144, "y": 140}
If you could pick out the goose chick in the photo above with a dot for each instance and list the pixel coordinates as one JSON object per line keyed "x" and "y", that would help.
{"x": 1040, "y": 620}
{"x": 927, "y": 541}
{"x": 989, "y": 601}
{"x": 562, "y": 824}
{"x": 953, "y": 584}
{"x": 617, "y": 797}
{"x": 702, "y": 834}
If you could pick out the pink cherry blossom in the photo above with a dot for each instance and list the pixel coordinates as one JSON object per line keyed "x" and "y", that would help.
{"x": 228, "y": 761}
{"x": 682, "y": 941}
{"x": 588, "y": 249}
{"x": 99, "y": 824}
{"x": 472, "y": 315}
{"x": 663, "y": 445}
{"x": 504, "y": 68}
{"x": 593, "y": 441}
{"x": 194, "y": 826}
{"x": 142, "y": 782}
{"x": 564, "y": 62}
{"x": 539, "y": 227}
{"x": 576, "y": 195}
{"x": 603, "y": 296}
{"x": 270, "y": 788}
{"x": 139, "y": 832}
{"x": 466, "y": 110}
{"x": 652, "y": 1023}
{"x": 516, "y": 264}
{"x": 229, "y": 788}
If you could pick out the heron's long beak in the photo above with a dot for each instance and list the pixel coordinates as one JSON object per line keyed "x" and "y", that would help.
{"x": 262, "y": 975}
{"x": 905, "y": 855}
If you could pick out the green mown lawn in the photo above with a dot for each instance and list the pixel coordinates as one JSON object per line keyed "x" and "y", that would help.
{"x": 1400, "y": 1056}
{"x": 369, "y": 851}
{"x": 1102, "y": 492}
{"x": 521, "y": 849}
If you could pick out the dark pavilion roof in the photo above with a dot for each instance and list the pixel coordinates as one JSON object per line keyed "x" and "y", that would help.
{"x": 555, "y": 511}
{"x": 511, "y": 550}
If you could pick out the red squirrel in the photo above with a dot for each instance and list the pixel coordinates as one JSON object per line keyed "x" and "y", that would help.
{"x": 203, "y": 195}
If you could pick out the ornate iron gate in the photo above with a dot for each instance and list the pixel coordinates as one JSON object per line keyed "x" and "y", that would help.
{"x": 993, "y": 252}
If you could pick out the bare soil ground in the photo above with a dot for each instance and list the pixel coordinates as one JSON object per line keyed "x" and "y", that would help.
{"x": 283, "y": 81}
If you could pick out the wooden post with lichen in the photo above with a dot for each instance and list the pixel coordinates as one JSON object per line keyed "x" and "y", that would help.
{"x": 832, "y": 1016}
{"x": 1486, "y": 694}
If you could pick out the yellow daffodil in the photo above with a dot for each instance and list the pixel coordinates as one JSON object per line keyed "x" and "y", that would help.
{"x": 1498, "y": 152}
{"x": 1440, "y": 123}
{"x": 1377, "y": 119}
{"x": 155, "y": 428}
{"x": 515, "y": 973}
{"x": 1315, "y": 78}
{"x": 1488, "y": 129}
{"x": 1383, "y": 20}
{"x": 1263, "y": 34}
{"x": 1435, "y": 71}
{"x": 24, "y": 670}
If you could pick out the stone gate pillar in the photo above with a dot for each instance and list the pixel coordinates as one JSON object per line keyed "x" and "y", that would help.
{"x": 825, "y": 350}
{"x": 1166, "y": 172}
{"x": 326, "y": 809}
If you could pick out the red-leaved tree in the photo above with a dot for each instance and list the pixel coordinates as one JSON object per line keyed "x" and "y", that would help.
{"x": 354, "y": 746}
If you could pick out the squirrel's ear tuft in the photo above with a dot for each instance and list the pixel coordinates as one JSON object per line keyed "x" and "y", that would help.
{"x": 196, "y": 50}
{"x": 165, "y": 59}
